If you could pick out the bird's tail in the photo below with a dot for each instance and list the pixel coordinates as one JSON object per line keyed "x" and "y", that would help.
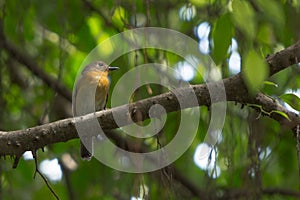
{"x": 84, "y": 152}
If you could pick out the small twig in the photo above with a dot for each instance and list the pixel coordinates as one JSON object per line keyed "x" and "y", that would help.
{"x": 193, "y": 188}
{"x": 280, "y": 191}
{"x": 43, "y": 177}
{"x": 298, "y": 150}
{"x": 106, "y": 20}
{"x": 1, "y": 187}
{"x": 67, "y": 177}
{"x": 148, "y": 13}
{"x": 16, "y": 161}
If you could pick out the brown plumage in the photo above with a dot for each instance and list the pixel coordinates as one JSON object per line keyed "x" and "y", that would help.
{"x": 93, "y": 84}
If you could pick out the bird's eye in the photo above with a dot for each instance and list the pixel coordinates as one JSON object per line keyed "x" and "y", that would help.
{"x": 100, "y": 64}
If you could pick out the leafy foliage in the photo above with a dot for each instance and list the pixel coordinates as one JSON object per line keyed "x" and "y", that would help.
{"x": 254, "y": 64}
{"x": 252, "y": 155}
{"x": 291, "y": 99}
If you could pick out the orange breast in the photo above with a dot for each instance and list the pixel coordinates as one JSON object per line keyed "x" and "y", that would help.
{"x": 102, "y": 88}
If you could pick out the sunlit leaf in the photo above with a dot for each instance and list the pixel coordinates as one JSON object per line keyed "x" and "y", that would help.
{"x": 94, "y": 22}
{"x": 244, "y": 17}
{"x": 255, "y": 71}
{"x": 291, "y": 99}
{"x": 265, "y": 34}
{"x": 270, "y": 83}
{"x": 281, "y": 113}
{"x": 200, "y": 3}
{"x": 118, "y": 17}
{"x": 273, "y": 11}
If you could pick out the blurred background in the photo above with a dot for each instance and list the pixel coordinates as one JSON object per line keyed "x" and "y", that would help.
{"x": 43, "y": 44}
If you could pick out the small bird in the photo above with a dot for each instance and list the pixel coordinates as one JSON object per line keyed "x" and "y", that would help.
{"x": 92, "y": 83}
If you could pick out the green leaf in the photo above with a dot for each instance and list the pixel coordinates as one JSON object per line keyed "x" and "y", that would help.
{"x": 255, "y": 71}
{"x": 270, "y": 83}
{"x": 281, "y": 113}
{"x": 265, "y": 34}
{"x": 118, "y": 17}
{"x": 273, "y": 11}
{"x": 222, "y": 34}
{"x": 291, "y": 99}
{"x": 200, "y": 3}
{"x": 244, "y": 17}
{"x": 255, "y": 105}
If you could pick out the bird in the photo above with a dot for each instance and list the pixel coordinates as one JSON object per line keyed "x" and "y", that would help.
{"x": 93, "y": 82}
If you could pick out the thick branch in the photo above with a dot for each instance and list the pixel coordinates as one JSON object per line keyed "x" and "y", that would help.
{"x": 284, "y": 59}
{"x": 16, "y": 142}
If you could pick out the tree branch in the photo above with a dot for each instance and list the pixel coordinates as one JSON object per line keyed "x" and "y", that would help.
{"x": 284, "y": 58}
{"x": 107, "y": 21}
{"x": 247, "y": 194}
{"x": 280, "y": 191}
{"x": 27, "y": 61}
{"x": 17, "y": 142}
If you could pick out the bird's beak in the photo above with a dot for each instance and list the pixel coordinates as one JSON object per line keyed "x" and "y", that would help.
{"x": 113, "y": 68}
